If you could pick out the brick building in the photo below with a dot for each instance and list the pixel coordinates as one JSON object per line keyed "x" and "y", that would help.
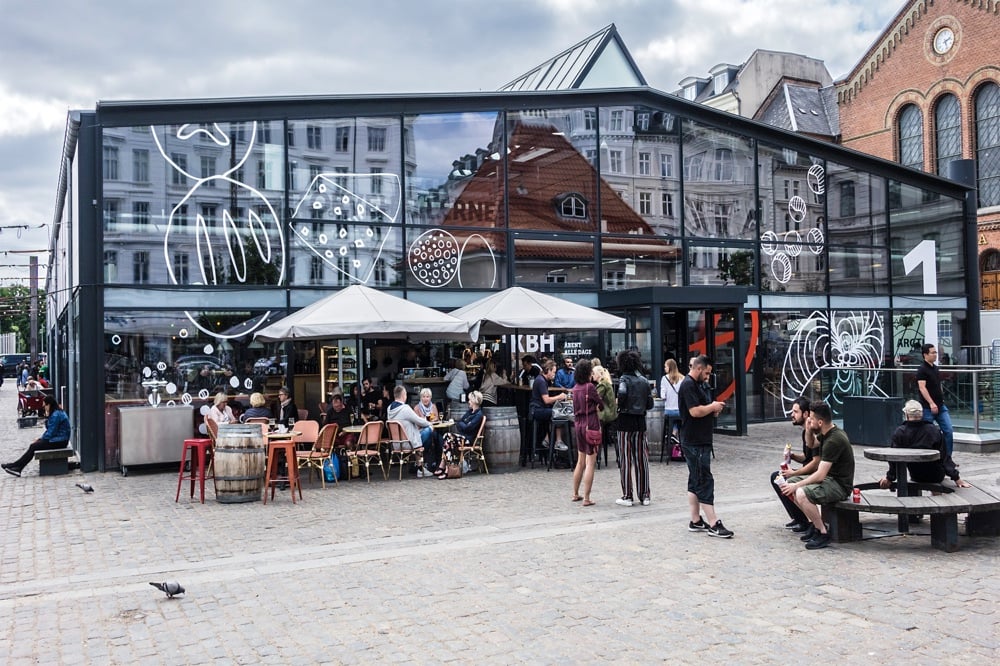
{"x": 927, "y": 92}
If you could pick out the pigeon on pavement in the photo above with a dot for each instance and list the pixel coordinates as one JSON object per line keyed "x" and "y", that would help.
{"x": 170, "y": 587}
{"x": 85, "y": 487}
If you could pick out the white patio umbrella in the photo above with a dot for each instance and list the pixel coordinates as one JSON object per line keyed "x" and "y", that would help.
{"x": 517, "y": 308}
{"x": 362, "y": 312}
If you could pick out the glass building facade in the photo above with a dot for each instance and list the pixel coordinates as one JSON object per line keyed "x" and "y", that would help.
{"x": 183, "y": 227}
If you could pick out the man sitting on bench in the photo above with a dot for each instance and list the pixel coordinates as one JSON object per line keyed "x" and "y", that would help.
{"x": 56, "y": 436}
{"x": 915, "y": 433}
{"x": 831, "y": 482}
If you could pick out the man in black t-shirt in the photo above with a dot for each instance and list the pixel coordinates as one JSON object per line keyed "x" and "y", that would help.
{"x": 697, "y": 413}
{"x": 932, "y": 397}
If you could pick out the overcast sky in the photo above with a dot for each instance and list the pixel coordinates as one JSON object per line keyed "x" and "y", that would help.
{"x": 57, "y": 55}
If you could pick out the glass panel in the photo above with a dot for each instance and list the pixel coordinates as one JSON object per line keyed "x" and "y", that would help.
{"x": 454, "y": 176}
{"x": 911, "y": 138}
{"x": 553, "y": 260}
{"x": 988, "y": 144}
{"x": 718, "y": 183}
{"x": 713, "y": 264}
{"x": 455, "y": 259}
{"x": 792, "y": 267}
{"x": 640, "y": 152}
{"x": 629, "y": 262}
{"x": 210, "y": 214}
{"x": 552, "y": 184}
{"x": 792, "y": 194}
{"x": 916, "y": 216}
{"x": 856, "y": 206}
{"x": 948, "y": 133}
{"x": 856, "y": 269}
{"x": 167, "y": 358}
{"x": 341, "y": 253}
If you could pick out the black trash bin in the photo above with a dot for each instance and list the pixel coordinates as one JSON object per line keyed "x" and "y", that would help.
{"x": 870, "y": 421}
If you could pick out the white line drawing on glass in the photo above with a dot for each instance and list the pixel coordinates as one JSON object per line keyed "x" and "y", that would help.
{"x": 341, "y": 205}
{"x": 816, "y": 179}
{"x": 435, "y": 259}
{"x": 840, "y": 340}
{"x": 781, "y": 246}
{"x": 270, "y": 253}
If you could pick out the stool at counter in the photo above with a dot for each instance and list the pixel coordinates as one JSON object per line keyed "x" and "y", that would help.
{"x": 200, "y": 450}
{"x": 271, "y": 478}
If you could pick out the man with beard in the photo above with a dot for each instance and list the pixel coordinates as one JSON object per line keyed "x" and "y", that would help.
{"x": 810, "y": 461}
{"x": 831, "y": 482}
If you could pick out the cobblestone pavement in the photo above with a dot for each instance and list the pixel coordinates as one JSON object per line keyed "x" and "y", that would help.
{"x": 496, "y": 569}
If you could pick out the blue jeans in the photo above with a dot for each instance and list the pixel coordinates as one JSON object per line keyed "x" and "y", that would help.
{"x": 943, "y": 419}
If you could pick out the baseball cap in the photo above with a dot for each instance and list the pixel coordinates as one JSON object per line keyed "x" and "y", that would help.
{"x": 912, "y": 407}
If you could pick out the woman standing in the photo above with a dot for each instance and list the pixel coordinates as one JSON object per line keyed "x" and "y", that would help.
{"x": 491, "y": 380}
{"x": 586, "y": 406}
{"x": 458, "y": 381}
{"x": 610, "y": 411}
{"x": 669, "y": 383}
{"x": 634, "y": 399}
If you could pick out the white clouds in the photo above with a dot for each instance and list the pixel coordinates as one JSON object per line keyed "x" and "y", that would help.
{"x": 23, "y": 115}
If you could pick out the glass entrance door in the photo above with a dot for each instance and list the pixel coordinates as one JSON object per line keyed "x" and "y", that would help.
{"x": 713, "y": 332}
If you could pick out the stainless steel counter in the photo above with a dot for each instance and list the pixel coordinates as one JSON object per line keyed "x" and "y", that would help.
{"x": 153, "y": 435}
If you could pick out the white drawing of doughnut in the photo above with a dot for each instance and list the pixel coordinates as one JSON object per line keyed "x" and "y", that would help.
{"x": 816, "y": 179}
{"x": 769, "y": 242}
{"x": 797, "y": 208}
{"x": 781, "y": 268}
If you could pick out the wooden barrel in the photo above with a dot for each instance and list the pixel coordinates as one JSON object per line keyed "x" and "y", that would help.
{"x": 654, "y": 429}
{"x": 240, "y": 457}
{"x": 456, "y": 410}
{"x": 502, "y": 438}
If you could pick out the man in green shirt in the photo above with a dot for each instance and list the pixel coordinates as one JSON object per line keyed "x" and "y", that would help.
{"x": 831, "y": 482}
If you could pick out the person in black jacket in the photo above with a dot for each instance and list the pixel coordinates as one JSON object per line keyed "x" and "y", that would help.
{"x": 466, "y": 431}
{"x": 915, "y": 433}
{"x": 635, "y": 398}
{"x": 286, "y": 408}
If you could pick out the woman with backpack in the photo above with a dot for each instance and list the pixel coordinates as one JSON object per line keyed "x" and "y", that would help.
{"x": 634, "y": 399}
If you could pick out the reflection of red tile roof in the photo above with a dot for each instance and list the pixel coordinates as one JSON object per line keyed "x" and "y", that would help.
{"x": 543, "y": 167}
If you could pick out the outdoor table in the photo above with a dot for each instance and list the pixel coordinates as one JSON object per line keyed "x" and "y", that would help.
{"x": 355, "y": 429}
{"x": 442, "y": 424}
{"x": 898, "y": 459}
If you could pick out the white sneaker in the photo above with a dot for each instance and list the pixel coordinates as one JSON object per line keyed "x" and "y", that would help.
{"x": 623, "y": 502}
{"x": 561, "y": 446}
{"x": 645, "y": 502}
{"x": 427, "y": 472}
{"x": 420, "y": 473}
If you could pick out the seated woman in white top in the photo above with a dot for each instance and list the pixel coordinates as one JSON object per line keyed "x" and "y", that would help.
{"x": 221, "y": 412}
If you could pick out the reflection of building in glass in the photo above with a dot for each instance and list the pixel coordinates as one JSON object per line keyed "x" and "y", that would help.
{"x": 706, "y": 231}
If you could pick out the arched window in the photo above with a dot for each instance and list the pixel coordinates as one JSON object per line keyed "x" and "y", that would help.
{"x": 947, "y": 133}
{"x": 911, "y": 137}
{"x": 572, "y": 206}
{"x": 988, "y": 144}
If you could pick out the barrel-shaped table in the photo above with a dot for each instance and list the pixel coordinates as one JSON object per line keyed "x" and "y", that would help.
{"x": 502, "y": 438}
{"x": 240, "y": 455}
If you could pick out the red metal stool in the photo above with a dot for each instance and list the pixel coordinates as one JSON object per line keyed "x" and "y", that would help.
{"x": 201, "y": 448}
{"x": 287, "y": 447}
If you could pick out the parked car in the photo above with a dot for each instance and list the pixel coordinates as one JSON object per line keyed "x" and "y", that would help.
{"x": 10, "y": 363}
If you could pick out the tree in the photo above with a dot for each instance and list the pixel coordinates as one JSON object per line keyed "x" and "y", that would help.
{"x": 15, "y": 314}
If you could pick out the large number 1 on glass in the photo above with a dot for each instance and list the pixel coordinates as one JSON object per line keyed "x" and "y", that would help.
{"x": 923, "y": 255}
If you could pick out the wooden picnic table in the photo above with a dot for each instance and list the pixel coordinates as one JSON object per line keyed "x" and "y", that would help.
{"x": 898, "y": 458}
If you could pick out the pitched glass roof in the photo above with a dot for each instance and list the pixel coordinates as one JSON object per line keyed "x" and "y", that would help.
{"x": 602, "y": 53}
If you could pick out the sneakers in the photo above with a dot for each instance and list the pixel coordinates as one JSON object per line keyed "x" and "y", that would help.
{"x": 561, "y": 446}
{"x": 423, "y": 472}
{"x": 791, "y": 525}
{"x": 10, "y": 470}
{"x": 719, "y": 530}
{"x": 645, "y": 502}
{"x": 800, "y": 528}
{"x": 700, "y": 526}
{"x": 621, "y": 501}
{"x": 819, "y": 541}
{"x": 810, "y": 533}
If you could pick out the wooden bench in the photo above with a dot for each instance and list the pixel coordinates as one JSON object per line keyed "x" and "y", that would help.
{"x": 54, "y": 462}
{"x": 982, "y": 506}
